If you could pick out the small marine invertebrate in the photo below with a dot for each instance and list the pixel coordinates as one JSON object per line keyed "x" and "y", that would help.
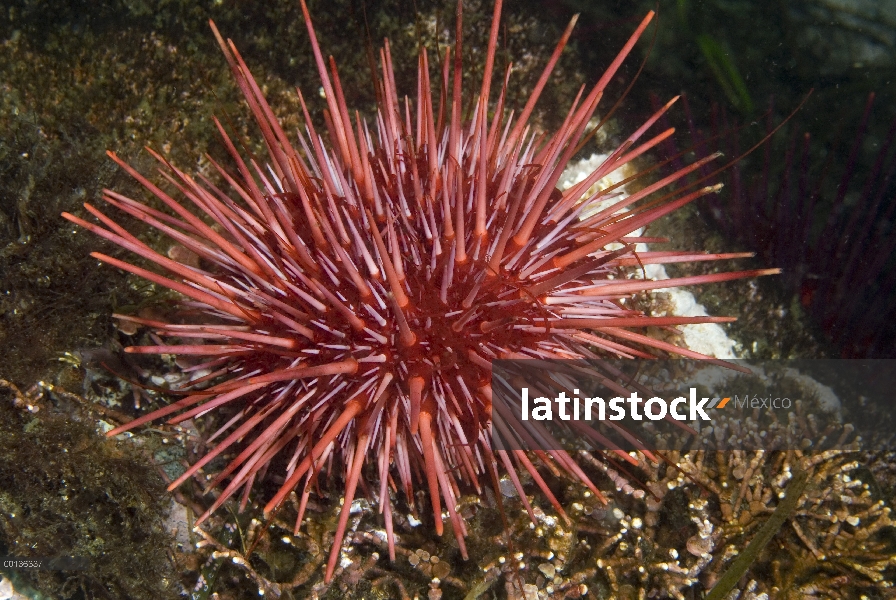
{"x": 352, "y": 293}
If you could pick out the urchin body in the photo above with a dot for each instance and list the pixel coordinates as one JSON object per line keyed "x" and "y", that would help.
{"x": 357, "y": 287}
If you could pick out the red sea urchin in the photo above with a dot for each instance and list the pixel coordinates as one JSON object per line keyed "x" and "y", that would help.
{"x": 355, "y": 291}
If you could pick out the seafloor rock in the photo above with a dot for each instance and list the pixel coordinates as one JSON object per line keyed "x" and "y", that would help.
{"x": 846, "y": 34}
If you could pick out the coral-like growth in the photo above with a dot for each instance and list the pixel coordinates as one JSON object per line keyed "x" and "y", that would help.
{"x": 352, "y": 293}
{"x": 672, "y": 538}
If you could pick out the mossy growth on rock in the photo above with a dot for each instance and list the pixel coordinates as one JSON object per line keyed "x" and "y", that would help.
{"x": 65, "y": 490}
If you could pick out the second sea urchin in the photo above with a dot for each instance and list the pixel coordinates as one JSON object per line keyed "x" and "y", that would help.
{"x": 355, "y": 289}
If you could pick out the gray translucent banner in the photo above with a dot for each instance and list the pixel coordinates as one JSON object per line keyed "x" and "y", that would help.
{"x": 629, "y": 405}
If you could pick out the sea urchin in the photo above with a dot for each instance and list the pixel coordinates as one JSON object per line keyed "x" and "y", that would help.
{"x": 355, "y": 290}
